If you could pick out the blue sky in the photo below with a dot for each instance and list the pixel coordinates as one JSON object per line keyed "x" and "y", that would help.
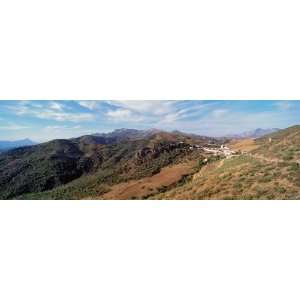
{"x": 46, "y": 120}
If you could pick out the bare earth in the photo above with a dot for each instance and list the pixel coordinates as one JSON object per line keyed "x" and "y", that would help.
{"x": 149, "y": 185}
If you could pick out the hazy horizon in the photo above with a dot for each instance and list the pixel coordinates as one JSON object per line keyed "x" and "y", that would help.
{"x": 43, "y": 120}
{"x": 170, "y": 131}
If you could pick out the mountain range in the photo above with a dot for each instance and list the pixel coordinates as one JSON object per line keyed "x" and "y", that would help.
{"x": 256, "y": 133}
{"x": 155, "y": 164}
{"x": 91, "y": 162}
{"x": 6, "y": 145}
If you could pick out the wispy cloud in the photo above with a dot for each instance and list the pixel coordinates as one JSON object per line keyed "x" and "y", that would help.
{"x": 61, "y": 127}
{"x": 56, "y": 106}
{"x": 51, "y": 111}
{"x": 62, "y": 119}
{"x": 89, "y": 104}
{"x": 217, "y": 113}
{"x": 158, "y": 112}
{"x": 63, "y": 116}
{"x": 13, "y": 127}
{"x": 119, "y": 114}
{"x": 145, "y": 107}
{"x": 284, "y": 105}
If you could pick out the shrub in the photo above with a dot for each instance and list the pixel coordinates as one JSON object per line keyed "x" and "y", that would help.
{"x": 267, "y": 178}
{"x": 287, "y": 156}
{"x": 280, "y": 189}
{"x": 237, "y": 185}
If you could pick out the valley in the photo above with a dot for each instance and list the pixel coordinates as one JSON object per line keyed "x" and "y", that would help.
{"x": 155, "y": 164}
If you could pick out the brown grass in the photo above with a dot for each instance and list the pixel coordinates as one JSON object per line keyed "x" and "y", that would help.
{"x": 138, "y": 189}
{"x": 243, "y": 177}
{"x": 245, "y": 145}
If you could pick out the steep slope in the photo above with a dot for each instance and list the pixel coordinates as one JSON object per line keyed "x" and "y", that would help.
{"x": 40, "y": 167}
{"x": 282, "y": 145}
{"x": 241, "y": 177}
{"x": 84, "y": 166}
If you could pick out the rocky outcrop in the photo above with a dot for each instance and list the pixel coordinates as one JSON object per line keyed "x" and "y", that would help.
{"x": 149, "y": 153}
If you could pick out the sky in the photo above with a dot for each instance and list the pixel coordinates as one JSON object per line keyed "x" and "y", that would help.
{"x": 46, "y": 120}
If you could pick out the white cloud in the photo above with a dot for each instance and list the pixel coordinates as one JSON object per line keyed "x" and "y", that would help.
{"x": 63, "y": 116}
{"x": 91, "y": 105}
{"x": 209, "y": 118}
{"x": 56, "y": 106}
{"x": 119, "y": 114}
{"x": 174, "y": 116}
{"x": 217, "y": 113}
{"x": 151, "y": 107}
{"x": 21, "y": 110}
{"x": 61, "y": 127}
{"x": 51, "y": 111}
{"x": 54, "y": 127}
{"x": 149, "y": 112}
{"x": 33, "y": 103}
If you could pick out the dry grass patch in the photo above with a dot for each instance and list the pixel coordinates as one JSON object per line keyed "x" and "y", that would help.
{"x": 139, "y": 189}
{"x": 245, "y": 145}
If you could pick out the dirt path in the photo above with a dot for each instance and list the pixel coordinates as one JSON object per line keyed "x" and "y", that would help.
{"x": 261, "y": 157}
{"x": 149, "y": 185}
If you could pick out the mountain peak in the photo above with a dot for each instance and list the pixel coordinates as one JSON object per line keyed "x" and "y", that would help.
{"x": 256, "y": 133}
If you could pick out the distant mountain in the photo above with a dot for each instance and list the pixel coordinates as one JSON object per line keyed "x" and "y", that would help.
{"x": 257, "y": 133}
{"x": 127, "y": 134}
{"x": 124, "y": 134}
{"x": 6, "y": 145}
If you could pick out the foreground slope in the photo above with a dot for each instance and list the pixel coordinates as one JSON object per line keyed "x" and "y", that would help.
{"x": 268, "y": 168}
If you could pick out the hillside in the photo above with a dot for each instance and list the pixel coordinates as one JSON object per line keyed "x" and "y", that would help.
{"x": 269, "y": 168}
{"x": 283, "y": 145}
{"x": 89, "y": 165}
{"x": 137, "y": 164}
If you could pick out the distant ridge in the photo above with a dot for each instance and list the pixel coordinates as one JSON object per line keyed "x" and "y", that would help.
{"x": 124, "y": 133}
{"x": 256, "y": 133}
{"x": 7, "y": 145}
{"x": 133, "y": 134}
